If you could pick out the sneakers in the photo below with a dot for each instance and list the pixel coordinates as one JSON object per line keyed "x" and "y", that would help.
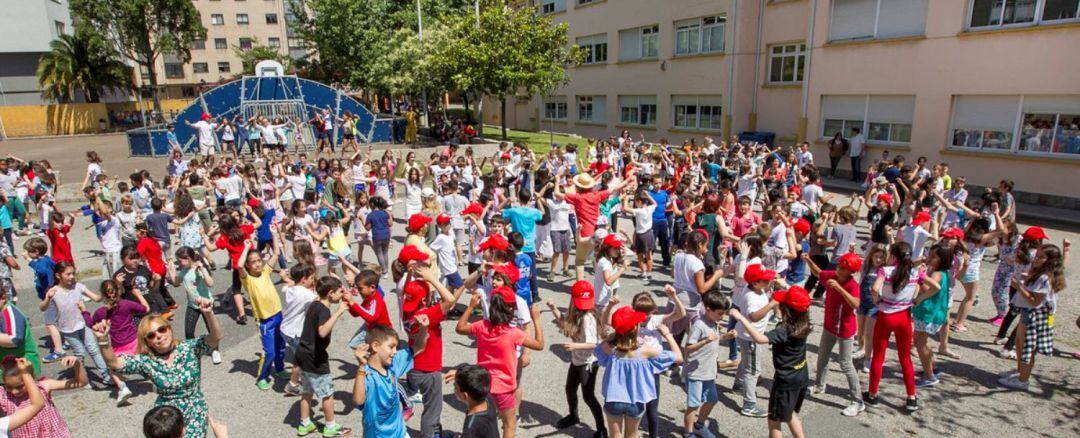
{"x": 853, "y": 409}
{"x": 292, "y": 390}
{"x": 1012, "y": 382}
{"x": 242, "y": 319}
{"x": 727, "y": 364}
{"x": 567, "y": 421}
{"x": 702, "y": 430}
{"x": 1007, "y": 353}
{"x": 817, "y": 389}
{"x": 52, "y": 357}
{"x": 335, "y": 430}
{"x": 869, "y": 400}
{"x": 858, "y": 354}
{"x": 215, "y": 357}
{"x": 1008, "y": 373}
{"x": 997, "y": 321}
{"x": 925, "y": 383}
{"x": 66, "y": 346}
{"x": 912, "y": 404}
{"x": 304, "y": 430}
{"x": 551, "y": 277}
{"x": 122, "y": 396}
{"x": 865, "y": 366}
{"x": 999, "y": 341}
{"x": 263, "y": 385}
{"x": 416, "y": 398}
{"x": 754, "y": 411}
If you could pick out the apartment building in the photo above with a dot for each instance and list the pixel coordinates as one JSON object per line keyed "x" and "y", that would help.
{"x": 229, "y": 24}
{"x": 25, "y": 33}
{"x": 988, "y": 86}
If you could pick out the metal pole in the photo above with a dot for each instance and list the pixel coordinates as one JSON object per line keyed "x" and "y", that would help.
{"x": 420, "y": 28}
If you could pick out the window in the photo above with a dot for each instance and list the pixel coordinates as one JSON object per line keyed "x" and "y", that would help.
{"x": 241, "y": 18}
{"x": 638, "y": 43}
{"x": 552, "y": 6}
{"x": 697, "y": 112}
{"x": 592, "y": 109}
{"x": 198, "y": 45}
{"x": 223, "y": 67}
{"x": 887, "y": 118}
{"x": 1030, "y": 123}
{"x": 876, "y": 19}
{"x": 174, "y": 70}
{"x": 787, "y": 63}
{"x": 987, "y": 14}
{"x": 700, "y": 35}
{"x": 274, "y": 42}
{"x": 555, "y": 108}
{"x": 187, "y": 91}
{"x": 1051, "y": 124}
{"x": 246, "y": 43}
{"x": 200, "y": 67}
{"x": 984, "y": 122}
{"x": 60, "y": 27}
{"x": 595, "y": 48}
{"x": 637, "y": 110}
{"x": 217, "y": 19}
{"x": 221, "y": 43}
{"x": 585, "y": 2}
{"x": 296, "y": 43}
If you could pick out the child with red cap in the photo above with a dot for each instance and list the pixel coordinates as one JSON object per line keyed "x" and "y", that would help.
{"x": 581, "y": 324}
{"x": 628, "y": 382}
{"x": 754, "y": 301}
{"x": 446, "y": 252}
{"x": 921, "y": 230}
{"x": 788, "y": 342}
{"x": 840, "y": 324}
{"x": 417, "y": 229}
{"x": 609, "y": 267}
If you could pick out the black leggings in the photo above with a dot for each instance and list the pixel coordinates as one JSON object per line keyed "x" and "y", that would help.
{"x": 1005, "y": 323}
{"x": 652, "y": 411}
{"x": 822, "y": 261}
{"x": 584, "y": 376}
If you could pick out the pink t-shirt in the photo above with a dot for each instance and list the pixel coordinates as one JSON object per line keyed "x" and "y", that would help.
{"x": 587, "y": 209}
{"x": 839, "y": 316}
{"x": 496, "y": 352}
{"x": 741, "y": 224}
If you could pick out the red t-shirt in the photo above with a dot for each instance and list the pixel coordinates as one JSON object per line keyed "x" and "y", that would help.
{"x": 150, "y": 250}
{"x": 496, "y": 352}
{"x": 61, "y": 246}
{"x": 373, "y": 310}
{"x": 839, "y": 316}
{"x": 234, "y": 248}
{"x": 431, "y": 359}
{"x": 587, "y": 209}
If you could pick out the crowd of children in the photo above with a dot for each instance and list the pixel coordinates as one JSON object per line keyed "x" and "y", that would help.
{"x": 746, "y": 232}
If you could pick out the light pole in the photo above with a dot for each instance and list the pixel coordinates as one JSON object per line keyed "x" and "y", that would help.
{"x": 420, "y": 34}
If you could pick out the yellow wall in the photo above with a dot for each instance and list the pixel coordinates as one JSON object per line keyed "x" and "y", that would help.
{"x": 69, "y": 118}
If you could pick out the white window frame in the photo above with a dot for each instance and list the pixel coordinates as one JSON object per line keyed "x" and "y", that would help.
{"x": 594, "y": 106}
{"x": 593, "y": 48}
{"x": 1016, "y": 133}
{"x": 227, "y": 64}
{"x": 555, "y": 108}
{"x": 864, "y": 124}
{"x": 225, "y": 43}
{"x": 698, "y": 109}
{"x": 798, "y": 53}
{"x": 649, "y": 34}
{"x": 217, "y": 19}
{"x": 1040, "y": 8}
{"x": 274, "y": 42}
{"x": 877, "y": 24}
{"x": 638, "y": 111}
{"x": 205, "y": 65}
{"x": 699, "y": 25}
{"x": 246, "y": 19}
{"x": 586, "y": 2}
{"x": 543, "y": 7}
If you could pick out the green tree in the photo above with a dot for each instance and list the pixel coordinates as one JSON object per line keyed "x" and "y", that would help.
{"x": 256, "y": 53}
{"x": 142, "y": 30}
{"x": 511, "y": 50}
{"x": 81, "y": 62}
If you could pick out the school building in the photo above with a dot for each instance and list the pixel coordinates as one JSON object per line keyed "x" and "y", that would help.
{"x": 989, "y": 86}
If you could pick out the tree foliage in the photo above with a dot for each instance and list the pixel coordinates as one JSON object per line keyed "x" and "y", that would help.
{"x": 81, "y": 62}
{"x": 142, "y": 30}
{"x": 257, "y": 52}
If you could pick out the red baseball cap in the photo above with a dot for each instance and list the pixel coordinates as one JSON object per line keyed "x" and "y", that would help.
{"x": 494, "y": 241}
{"x": 206, "y": 116}
{"x": 253, "y": 202}
{"x": 797, "y": 189}
{"x": 920, "y": 218}
{"x": 885, "y": 197}
{"x": 413, "y": 295}
{"x": 756, "y": 272}
{"x": 411, "y": 253}
{"x": 473, "y": 208}
{"x": 954, "y": 232}
{"x": 801, "y": 226}
{"x": 1035, "y": 233}
{"x": 505, "y": 156}
{"x": 417, "y": 221}
{"x": 583, "y": 296}
{"x": 795, "y": 297}
{"x": 442, "y": 219}
{"x": 612, "y": 240}
{"x": 510, "y": 271}
{"x": 850, "y": 261}
{"x": 507, "y": 295}
{"x": 626, "y": 319}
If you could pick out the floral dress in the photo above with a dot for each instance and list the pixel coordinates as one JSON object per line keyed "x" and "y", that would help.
{"x": 177, "y": 384}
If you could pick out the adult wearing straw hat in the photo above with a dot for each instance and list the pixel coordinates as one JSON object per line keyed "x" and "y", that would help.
{"x": 586, "y": 202}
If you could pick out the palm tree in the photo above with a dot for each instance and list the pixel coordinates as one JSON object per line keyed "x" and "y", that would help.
{"x": 81, "y": 62}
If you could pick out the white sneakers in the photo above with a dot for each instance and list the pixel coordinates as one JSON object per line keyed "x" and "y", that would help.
{"x": 215, "y": 357}
{"x": 122, "y": 396}
{"x": 854, "y": 409}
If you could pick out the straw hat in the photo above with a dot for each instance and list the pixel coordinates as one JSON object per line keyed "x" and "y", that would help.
{"x": 584, "y": 181}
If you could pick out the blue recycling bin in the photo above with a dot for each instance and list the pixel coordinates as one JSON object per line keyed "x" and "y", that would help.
{"x": 768, "y": 138}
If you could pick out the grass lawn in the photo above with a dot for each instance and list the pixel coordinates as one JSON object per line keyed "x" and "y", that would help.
{"x": 539, "y": 142}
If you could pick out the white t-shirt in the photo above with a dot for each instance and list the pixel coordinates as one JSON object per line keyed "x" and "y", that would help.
{"x": 438, "y": 172}
{"x": 588, "y": 328}
{"x": 93, "y": 169}
{"x": 812, "y": 194}
{"x": 206, "y": 132}
{"x": 4, "y": 426}
{"x": 7, "y": 184}
{"x": 294, "y": 188}
{"x": 560, "y": 214}
{"x": 778, "y": 238}
{"x": 895, "y": 301}
{"x": 110, "y": 234}
{"x": 443, "y": 245}
{"x": 749, "y": 302}
{"x": 603, "y": 291}
{"x": 297, "y": 299}
{"x": 230, "y": 187}
{"x": 916, "y": 237}
{"x": 643, "y": 218}
{"x": 856, "y": 145}
{"x": 805, "y": 157}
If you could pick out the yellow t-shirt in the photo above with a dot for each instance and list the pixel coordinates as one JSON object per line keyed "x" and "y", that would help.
{"x": 265, "y": 301}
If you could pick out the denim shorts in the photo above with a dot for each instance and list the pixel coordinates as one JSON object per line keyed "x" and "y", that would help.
{"x": 321, "y": 385}
{"x": 867, "y": 307}
{"x": 359, "y": 337}
{"x": 622, "y": 409}
{"x": 699, "y": 392}
{"x": 290, "y": 348}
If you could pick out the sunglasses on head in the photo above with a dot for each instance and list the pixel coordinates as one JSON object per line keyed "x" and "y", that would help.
{"x": 161, "y": 330}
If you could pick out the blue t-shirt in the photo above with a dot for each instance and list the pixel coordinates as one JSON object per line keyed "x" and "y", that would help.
{"x": 523, "y": 220}
{"x": 525, "y": 267}
{"x": 382, "y": 409}
{"x": 380, "y": 225}
{"x": 43, "y": 274}
{"x": 263, "y": 233}
{"x": 171, "y": 138}
{"x": 5, "y": 218}
{"x": 661, "y": 198}
{"x": 797, "y": 268}
{"x": 714, "y": 171}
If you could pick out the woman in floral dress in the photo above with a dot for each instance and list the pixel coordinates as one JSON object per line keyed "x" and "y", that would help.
{"x": 173, "y": 366}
